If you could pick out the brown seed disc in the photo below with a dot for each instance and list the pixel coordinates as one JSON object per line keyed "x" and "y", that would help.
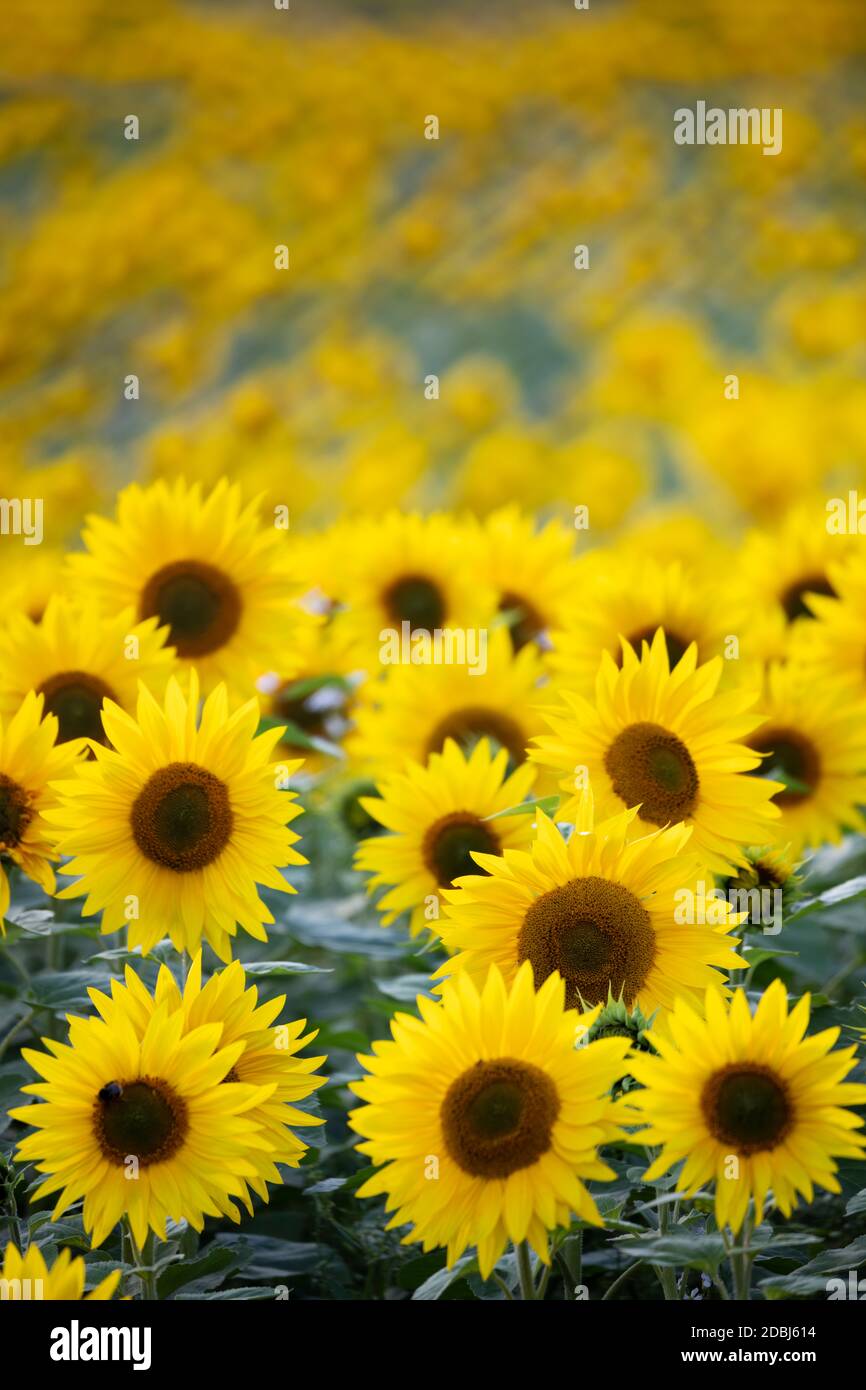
{"x": 650, "y": 767}
{"x": 449, "y": 842}
{"x": 791, "y": 755}
{"x": 16, "y": 812}
{"x": 182, "y": 818}
{"x": 417, "y": 600}
{"x": 498, "y": 1117}
{"x": 76, "y": 699}
{"x": 597, "y": 934}
{"x": 200, "y": 605}
{"x": 467, "y": 726}
{"x": 747, "y": 1106}
{"x": 147, "y": 1120}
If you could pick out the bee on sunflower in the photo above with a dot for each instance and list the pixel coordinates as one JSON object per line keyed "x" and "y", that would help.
{"x": 440, "y": 816}
{"x": 173, "y": 827}
{"x": 147, "y": 1122}
{"x": 270, "y": 1053}
{"x": 485, "y": 1120}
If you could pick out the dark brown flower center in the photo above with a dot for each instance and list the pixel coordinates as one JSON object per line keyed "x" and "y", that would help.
{"x": 527, "y": 624}
{"x": 651, "y": 768}
{"x": 448, "y": 845}
{"x": 747, "y": 1106}
{"x": 182, "y": 818}
{"x": 793, "y": 600}
{"x": 16, "y": 812}
{"x": 200, "y": 605}
{"x": 76, "y": 699}
{"x": 144, "y": 1119}
{"x": 793, "y": 759}
{"x": 676, "y": 646}
{"x": 498, "y": 1117}
{"x": 597, "y": 934}
{"x": 416, "y": 600}
{"x": 467, "y": 726}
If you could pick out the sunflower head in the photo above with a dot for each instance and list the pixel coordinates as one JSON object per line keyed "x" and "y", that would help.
{"x": 189, "y": 818}
{"x": 442, "y": 816}
{"x": 747, "y": 1100}
{"x": 664, "y": 742}
{"x": 614, "y": 917}
{"x": 486, "y": 1118}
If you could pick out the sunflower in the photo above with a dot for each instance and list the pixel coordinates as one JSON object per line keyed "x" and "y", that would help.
{"x": 414, "y": 709}
{"x": 441, "y": 815}
{"x": 29, "y": 580}
{"x": 781, "y": 570}
{"x": 149, "y": 1125}
{"x": 836, "y": 644}
{"x": 814, "y": 745}
{"x": 269, "y": 1057}
{"x": 534, "y": 572}
{"x": 409, "y": 569}
{"x": 77, "y": 659}
{"x": 629, "y": 600}
{"x": 30, "y": 762}
{"x": 173, "y": 827}
{"x": 205, "y": 567}
{"x": 487, "y": 1118}
{"x": 748, "y": 1100}
{"x": 663, "y": 741}
{"x": 617, "y": 918}
{"x": 27, "y": 1276}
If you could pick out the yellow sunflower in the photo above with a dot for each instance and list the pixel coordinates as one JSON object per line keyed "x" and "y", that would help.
{"x": 814, "y": 745}
{"x": 624, "y": 598}
{"x": 30, "y": 577}
{"x": 440, "y": 815}
{"x": 486, "y": 1118}
{"x": 30, "y": 762}
{"x": 835, "y": 644}
{"x": 780, "y": 570}
{"x": 28, "y": 1277}
{"x": 665, "y": 742}
{"x": 174, "y": 826}
{"x": 749, "y": 1101}
{"x": 416, "y": 708}
{"x": 619, "y": 918}
{"x": 534, "y": 573}
{"x": 151, "y": 1126}
{"x": 205, "y": 567}
{"x": 77, "y": 659}
{"x": 269, "y": 1057}
{"x": 413, "y": 570}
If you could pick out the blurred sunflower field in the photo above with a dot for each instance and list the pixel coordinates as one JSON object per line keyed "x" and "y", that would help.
{"x": 433, "y": 652}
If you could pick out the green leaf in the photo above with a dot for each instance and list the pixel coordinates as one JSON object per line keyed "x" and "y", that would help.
{"x": 436, "y": 1285}
{"x": 285, "y": 967}
{"x": 688, "y": 1250}
{"x": 210, "y": 1267}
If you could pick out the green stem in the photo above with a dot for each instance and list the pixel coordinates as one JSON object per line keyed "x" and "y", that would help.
{"x": 665, "y": 1275}
{"x": 741, "y": 1264}
{"x": 524, "y": 1269}
{"x": 620, "y": 1279}
{"x": 143, "y": 1261}
{"x": 14, "y": 1031}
